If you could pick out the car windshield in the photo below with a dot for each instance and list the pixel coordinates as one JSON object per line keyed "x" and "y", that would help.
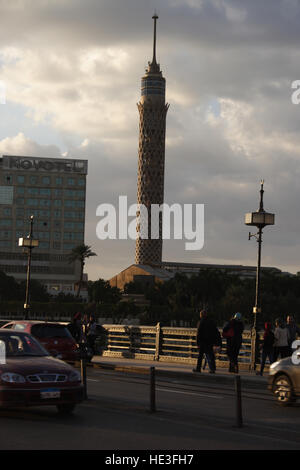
{"x": 20, "y": 345}
{"x": 50, "y": 331}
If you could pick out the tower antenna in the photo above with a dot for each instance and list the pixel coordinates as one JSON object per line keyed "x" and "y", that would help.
{"x": 155, "y": 18}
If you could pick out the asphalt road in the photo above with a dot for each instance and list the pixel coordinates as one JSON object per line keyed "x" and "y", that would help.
{"x": 191, "y": 414}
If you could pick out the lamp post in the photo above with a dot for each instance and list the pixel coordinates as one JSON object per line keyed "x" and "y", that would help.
{"x": 29, "y": 242}
{"x": 259, "y": 219}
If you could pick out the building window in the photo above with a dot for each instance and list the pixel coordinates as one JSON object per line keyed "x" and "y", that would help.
{"x": 5, "y": 222}
{"x": 5, "y": 244}
{"x": 45, "y": 202}
{"x": 81, "y": 182}
{"x": 21, "y": 179}
{"x": 45, "y": 192}
{"x": 57, "y": 213}
{"x": 58, "y": 181}
{"x": 33, "y": 179}
{"x": 5, "y": 234}
{"x": 7, "y": 211}
{"x": 71, "y": 181}
{"x": 46, "y": 180}
{"x": 20, "y": 190}
{"x": 6, "y": 194}
{"x": 44, "y": 245}
{"x": 8, "y": 179}
{"x": 57, "y": 203}
{"x": 33, "y": 191}
{"x": 32, "y": 202}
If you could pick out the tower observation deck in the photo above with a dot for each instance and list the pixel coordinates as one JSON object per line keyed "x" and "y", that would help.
{"x": 151, "y": 159}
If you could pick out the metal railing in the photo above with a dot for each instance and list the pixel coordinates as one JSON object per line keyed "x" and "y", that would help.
{"x": 153, "y": 343}
{"x": 169, "y": 344}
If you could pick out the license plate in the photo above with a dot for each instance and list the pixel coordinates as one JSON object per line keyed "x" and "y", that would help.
{"x": 50, "y": 393}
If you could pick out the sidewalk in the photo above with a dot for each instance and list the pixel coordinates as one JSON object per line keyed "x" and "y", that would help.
{"x": 173, "y": 369}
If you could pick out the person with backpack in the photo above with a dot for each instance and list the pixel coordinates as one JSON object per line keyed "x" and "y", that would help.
{"x": 267, "y": 347}
{"x": 207, "y": 337}
{"x": 233, "y": 333}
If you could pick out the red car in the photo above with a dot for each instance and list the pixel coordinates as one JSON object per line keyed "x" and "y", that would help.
{"x": 29, "y": 376}
{"x": 55, "y": 337}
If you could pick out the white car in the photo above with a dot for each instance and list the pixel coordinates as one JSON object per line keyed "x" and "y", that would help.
{"x": 284, "y": 379}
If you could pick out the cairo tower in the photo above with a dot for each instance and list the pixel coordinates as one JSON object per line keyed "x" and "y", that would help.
{"x": 151, "y": 159}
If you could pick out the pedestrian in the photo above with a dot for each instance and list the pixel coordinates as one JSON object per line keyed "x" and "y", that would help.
{"x": 293, "y": 331}
{"x": 92, "y": 333}
{"x": 207, "y": 337}
{"x": 233, "y": 332}
{"x": 267, "y": 347}
{"x": 75, "y": 327}
{"x": 281, "y": 345}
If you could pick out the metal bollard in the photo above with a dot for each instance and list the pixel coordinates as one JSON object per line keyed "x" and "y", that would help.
{"x": 239, "y": 414}
{"x": 152, "y": 390}
{"x": 83, "y": 370}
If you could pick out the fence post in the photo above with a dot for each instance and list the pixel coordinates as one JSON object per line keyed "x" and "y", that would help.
{"x": 239, "y": 414}
{"x": 152, "y": 390}
{"x": 157, "y": 342}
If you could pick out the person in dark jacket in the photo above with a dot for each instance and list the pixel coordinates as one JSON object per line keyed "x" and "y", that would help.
{"x": 208, "y": 336}
{"x": 233, "y": 332}
{"x": 293, "y": 331}
{"x": 75, "y": 327}
{"x": 267, "y": 347}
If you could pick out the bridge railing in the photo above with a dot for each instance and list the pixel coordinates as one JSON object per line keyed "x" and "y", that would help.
{"x": 153, "y": 343}
{"x": 169, "y": 344}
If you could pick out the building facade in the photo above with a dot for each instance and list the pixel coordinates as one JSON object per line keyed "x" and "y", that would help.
{"x": 53, "y": 191}
{"x": 151, "y": 159}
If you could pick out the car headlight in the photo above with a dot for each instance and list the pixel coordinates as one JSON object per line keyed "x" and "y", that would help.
{"x": 75, "y": 376}
{"x": 275, "y": 364}
{"x": 12, "y": 378}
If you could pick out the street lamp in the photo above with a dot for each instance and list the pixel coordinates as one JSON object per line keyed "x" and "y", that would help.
{"x": 259, "y": 219}
{"x": 29, "y": 242}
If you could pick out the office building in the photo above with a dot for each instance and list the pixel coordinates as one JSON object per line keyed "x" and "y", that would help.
{"x": 53, "y": 190}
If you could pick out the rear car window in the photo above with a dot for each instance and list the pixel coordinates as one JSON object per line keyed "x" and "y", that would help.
{"x": 50, "y": 331}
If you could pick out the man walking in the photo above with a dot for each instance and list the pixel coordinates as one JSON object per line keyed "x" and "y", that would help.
{"x": 208, "y": 336}
{"x": 293, "y": 331}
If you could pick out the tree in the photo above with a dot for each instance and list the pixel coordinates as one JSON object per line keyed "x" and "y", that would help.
{"x": 101, "y": 291}
{"x": 80, "y": 253}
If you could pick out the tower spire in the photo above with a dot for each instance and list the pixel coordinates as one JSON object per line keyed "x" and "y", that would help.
{"x": 155, "y": 18}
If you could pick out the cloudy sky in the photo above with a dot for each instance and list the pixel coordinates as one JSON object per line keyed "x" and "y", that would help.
{"x": 72, "y": 71}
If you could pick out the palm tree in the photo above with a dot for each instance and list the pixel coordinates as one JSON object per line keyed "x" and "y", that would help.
{"x": 80, "y": 253}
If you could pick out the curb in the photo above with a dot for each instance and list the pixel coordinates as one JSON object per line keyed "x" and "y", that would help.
{"x": 220, "y": 378}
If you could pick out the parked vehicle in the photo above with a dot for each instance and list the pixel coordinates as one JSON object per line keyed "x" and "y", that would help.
{"x": 284, "y": 379}
{"x": 55, "y": 337}
{"x": 29, "y": 376}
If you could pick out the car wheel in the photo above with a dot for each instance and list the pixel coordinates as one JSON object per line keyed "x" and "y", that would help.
{"x": 65, "y": 409}
{"x": 283, "y": 390}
